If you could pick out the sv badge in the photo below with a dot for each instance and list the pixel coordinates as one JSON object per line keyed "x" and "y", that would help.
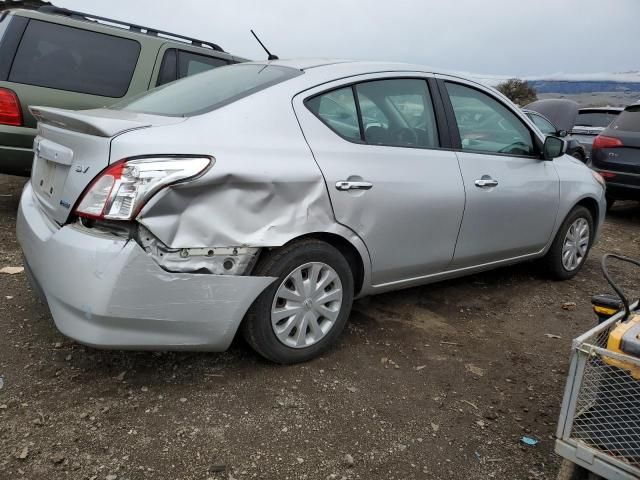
{"x": 82, "y": 168}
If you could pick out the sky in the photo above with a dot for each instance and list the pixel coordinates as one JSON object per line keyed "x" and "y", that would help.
{"x": 493, "y": 37}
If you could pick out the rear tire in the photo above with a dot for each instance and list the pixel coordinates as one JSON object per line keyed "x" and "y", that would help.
{"x": 300, "y": 267}
{"x": 563, "y": 261}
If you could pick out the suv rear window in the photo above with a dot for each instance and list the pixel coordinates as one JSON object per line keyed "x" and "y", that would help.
{"x": 209, "y": 90}
{"x": 180, "y": 63}
{"x": 595, "y": 119}
{"x": 4, "y": 23}
{"x": 67, "y": 58}
{"x": 628, "y": 120}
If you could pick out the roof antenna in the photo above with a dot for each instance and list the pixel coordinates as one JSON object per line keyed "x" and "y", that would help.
{"x": 271, "y": 55}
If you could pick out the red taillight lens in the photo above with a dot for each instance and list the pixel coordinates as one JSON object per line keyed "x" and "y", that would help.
{"x": 121, "y": 190}
{"x": 10, "y": 110}
{"x": 602, "y": 141}
{"x": 607, "y": 175}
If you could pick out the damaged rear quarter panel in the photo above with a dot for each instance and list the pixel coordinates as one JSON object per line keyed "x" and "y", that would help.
{"x": 263, "y": 190}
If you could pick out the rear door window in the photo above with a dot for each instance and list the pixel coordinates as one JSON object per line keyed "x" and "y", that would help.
{"x": 628, "y": 120}
{"x": 178, "y": 64}
{"x": 393, "y": 112}
{"x": 337, "y": 109}
{"x": 67, "y": 58}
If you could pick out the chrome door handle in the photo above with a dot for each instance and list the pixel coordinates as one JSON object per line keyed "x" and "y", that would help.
{"x": 486, "y": 182}
{"x": 345, "y": 185}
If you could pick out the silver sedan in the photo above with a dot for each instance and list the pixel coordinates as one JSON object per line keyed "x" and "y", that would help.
{"x": 265, "y": 197}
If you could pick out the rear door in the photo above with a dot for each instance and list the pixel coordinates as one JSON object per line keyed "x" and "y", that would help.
{"x": 388, "y": 172}
{"x": 512, "y": 195}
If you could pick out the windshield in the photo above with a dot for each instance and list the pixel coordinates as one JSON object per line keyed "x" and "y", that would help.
{"x": 209, "y": 90}
{"x": 543, "y": 124}
{"x": 595, "y": 119}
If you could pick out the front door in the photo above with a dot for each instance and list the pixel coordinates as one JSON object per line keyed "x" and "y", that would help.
{"x": 512, "y": 195}
{"x": 389, "y": 179}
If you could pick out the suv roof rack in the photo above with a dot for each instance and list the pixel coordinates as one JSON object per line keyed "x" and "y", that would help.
{"x": 130, "y": 26}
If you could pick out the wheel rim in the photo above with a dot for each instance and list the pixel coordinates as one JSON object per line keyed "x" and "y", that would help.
{"x": 306, "y": 305}
{"x": 576, "y": 244}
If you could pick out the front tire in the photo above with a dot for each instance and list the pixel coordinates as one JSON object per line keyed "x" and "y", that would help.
{"x": 571, "y": 245}
{"x": 302, "y": 313}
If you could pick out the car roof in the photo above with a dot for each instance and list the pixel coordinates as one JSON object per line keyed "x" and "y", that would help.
{"x": 338, "y": 67}
{"x": 116, "y": 27}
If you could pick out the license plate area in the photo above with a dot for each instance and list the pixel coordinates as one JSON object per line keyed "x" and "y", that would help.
{"x": 46, "y": 181}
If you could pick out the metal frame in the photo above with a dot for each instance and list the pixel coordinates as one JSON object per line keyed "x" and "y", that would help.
{"x": 154, "y": 32}
{"x": 584, "y": 349}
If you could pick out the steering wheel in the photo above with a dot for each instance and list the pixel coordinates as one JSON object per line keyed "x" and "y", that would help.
{"x": 514, "y": 146}
{"x": 406, "y": 136}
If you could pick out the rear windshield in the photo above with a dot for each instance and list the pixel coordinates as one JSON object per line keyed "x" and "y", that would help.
{"x": 595, "y": 119}
{"x": 67, "y": 58}
{"x": 209, "y": 90}
{"x": 628, "y": 120}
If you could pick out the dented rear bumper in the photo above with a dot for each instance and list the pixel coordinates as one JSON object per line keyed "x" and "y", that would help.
{"x": 105, "y": 291}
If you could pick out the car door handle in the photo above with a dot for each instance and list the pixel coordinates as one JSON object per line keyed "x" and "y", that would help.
{"x": 345, "y": 185}
{"x": 486, "y": 182}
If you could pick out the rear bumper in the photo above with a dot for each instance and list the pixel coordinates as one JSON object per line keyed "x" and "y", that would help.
{"x": 624, "y": 186}
{"x": 104, "y": 291}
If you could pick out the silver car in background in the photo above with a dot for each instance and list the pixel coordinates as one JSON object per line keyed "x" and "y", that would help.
{"x": 268, "y": 202}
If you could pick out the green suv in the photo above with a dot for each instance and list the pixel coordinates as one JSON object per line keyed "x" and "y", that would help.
{"x": 60, "y": 58}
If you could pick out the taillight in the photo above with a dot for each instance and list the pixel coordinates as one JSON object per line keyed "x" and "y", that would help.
{"x": 602, "y": 141}
{"x": 121, "y": 190}
{"x": 607, "y": 175}
{"x": 10, "y": 110}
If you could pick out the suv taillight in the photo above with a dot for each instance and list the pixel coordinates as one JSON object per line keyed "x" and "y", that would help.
{"x": 121, "y": 190}
{"x": 10, "y": 110}
{"x": 602, "y": 141}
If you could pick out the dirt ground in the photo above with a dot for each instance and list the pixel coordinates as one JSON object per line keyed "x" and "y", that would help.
{"x": 435, "y": 382}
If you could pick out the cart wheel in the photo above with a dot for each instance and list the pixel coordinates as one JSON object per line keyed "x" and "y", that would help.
{"x": 571, "y": 471}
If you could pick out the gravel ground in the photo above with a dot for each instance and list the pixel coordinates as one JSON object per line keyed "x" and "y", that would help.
{"x": 434, "y": 382}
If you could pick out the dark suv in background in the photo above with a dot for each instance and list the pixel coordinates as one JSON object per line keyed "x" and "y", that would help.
{"x": 60, "y": 58}
{"x": 616, "y": 156}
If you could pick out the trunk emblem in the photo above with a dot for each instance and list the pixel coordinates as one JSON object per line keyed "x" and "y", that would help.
{"x": 82, "y": 168}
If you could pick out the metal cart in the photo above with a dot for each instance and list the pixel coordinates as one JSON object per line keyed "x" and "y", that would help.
{"x": 599, "y": 428}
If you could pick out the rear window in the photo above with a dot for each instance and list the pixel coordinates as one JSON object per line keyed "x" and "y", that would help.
{"x": 180, "y": 63}
{"x": 67, "y": 58}
{"x": 628, "y": 120}
{"x": 595, "y": 119}
{"x": 209, "y": 90}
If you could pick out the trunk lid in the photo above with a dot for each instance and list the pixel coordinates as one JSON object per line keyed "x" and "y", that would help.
{"x": 624, "y": 159}
{"x": 71, "y": 148}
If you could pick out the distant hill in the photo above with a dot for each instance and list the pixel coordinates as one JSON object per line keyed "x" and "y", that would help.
{"x": 575, "y": 87}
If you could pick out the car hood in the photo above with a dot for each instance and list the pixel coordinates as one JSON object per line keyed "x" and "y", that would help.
{"x": 561, "y": 112}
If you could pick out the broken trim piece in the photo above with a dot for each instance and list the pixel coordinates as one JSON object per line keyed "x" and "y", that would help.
{"x": 234, "y": 260}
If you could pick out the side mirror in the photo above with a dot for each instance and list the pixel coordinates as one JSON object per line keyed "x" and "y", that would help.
{"x": 554, "y": 147}
{"x": 562, "y": 133}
